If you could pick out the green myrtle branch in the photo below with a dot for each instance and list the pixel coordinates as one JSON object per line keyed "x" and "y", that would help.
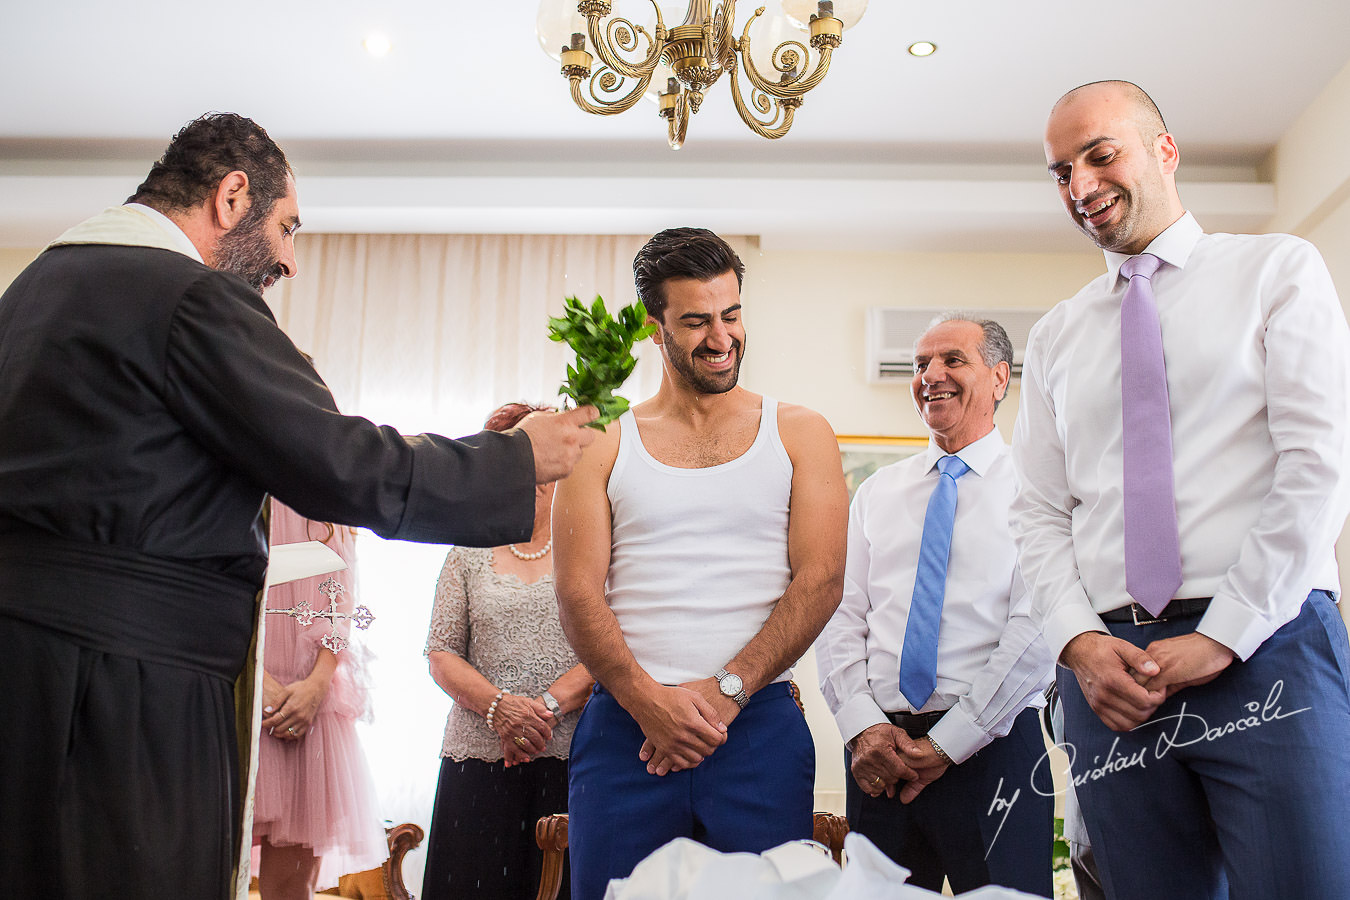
{"x": 603, "y": 346}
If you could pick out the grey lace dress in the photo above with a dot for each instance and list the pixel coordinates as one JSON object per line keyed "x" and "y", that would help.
{"x": 509, "y": 631}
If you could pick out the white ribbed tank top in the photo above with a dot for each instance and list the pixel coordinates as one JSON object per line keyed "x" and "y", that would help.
{"x": 699, "y": 556}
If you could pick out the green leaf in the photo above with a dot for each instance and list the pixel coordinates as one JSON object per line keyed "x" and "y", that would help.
{"x": 603, "y": 346}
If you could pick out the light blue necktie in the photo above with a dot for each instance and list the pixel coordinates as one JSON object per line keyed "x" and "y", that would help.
{"x": 918, "y": 659}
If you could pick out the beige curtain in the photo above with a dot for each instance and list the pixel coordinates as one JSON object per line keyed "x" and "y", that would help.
{"x": 431, "y": 333}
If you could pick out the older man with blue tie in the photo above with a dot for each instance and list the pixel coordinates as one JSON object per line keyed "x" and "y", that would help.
{"x": 931, "y": 664}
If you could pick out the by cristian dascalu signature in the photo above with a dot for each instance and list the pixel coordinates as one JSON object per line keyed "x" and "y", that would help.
{"x": 1181, "y": 729}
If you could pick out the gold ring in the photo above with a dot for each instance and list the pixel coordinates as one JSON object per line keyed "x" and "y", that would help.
{"x": 290, "y": 730}
{"x": 520, "y": 741}
{"x": 877, "y": 780}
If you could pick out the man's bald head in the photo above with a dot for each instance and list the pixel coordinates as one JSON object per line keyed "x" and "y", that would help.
{"x": 1126, "y": 94}
{"x": 1108, "y": 149}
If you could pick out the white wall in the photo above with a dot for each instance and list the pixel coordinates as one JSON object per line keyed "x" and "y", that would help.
{"x": 805, "y": 316}
{"x": 1310, "y": 166}
{"x": 12, "y": 262}
{"x": 1311, "y": 171}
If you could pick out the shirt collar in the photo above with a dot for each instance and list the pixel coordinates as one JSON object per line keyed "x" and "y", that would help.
{"x": 181, "y": 242}
{"x": 1173, "y": 246}
{"x": 979, "y": 455}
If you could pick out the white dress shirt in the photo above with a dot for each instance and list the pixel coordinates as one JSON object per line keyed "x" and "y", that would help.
{"x": 1258, "y": 377}
{"x": 991, "y": 661}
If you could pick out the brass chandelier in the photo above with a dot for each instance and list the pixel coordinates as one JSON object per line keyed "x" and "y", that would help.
{"x": 693, "y": 56}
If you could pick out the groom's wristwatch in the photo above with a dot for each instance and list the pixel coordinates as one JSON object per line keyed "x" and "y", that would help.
{"x": 731, "y": 686}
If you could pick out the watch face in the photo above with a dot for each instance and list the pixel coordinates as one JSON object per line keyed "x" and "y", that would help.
{"x": 730, "y": 684}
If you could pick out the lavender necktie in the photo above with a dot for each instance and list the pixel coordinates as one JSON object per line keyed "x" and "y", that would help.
{"x": 1152, "y": 547}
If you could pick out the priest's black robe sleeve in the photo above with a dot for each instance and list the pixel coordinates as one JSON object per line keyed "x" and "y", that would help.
{"x": 241, "y": 388}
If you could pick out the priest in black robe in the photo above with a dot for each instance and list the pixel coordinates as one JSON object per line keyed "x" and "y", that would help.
{"x": 148, "y": 402}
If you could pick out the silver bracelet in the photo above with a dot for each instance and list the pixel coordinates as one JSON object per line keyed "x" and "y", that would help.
{"x": 493, "y": 707}
{"x": 552, "y": 703}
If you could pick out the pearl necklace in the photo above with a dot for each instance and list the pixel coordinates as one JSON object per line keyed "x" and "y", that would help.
{"x": 538, "y": 554}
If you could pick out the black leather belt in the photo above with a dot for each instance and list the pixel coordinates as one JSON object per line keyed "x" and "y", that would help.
{"x": 1177, "y": 609}
{"x": 916, "y": 725}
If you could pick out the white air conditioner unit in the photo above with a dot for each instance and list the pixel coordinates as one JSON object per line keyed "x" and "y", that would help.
{"x": 892, "y": 331}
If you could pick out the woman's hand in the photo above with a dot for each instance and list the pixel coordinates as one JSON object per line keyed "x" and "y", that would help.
{"x": 292, "y": 720}
{"x": 274, "y": 694}
{"x": 513, "y": 755}
{"x": 524, "y": 722}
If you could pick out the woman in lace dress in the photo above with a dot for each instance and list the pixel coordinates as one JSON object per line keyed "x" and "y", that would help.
{"x": 496, "y": 647}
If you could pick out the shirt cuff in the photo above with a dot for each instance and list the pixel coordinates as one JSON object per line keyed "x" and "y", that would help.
{"x": 857, "y": 715}
{"x": 958, "y": 735}
{"x": 1068, "y": 624}
{"x": 1235, "y": 625}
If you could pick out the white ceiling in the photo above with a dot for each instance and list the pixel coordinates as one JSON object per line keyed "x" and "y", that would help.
{"x": 467, "y": 125}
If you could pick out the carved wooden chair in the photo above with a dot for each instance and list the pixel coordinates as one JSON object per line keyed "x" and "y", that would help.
{"x": 550, "y": 833}
{"x": 386, "y": 882}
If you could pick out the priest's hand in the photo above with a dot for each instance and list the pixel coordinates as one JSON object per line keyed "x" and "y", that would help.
{"x": 557, "y": 440}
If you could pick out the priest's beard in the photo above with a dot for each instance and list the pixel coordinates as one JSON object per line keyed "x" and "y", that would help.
{"x": 245, "y": 250}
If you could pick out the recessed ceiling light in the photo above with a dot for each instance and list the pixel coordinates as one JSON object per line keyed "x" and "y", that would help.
{"x": 377, "y": 44}
{"x": 922, "y": 48}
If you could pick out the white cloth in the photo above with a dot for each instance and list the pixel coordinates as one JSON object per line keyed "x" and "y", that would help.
{"x": 991, "y": 661}
{"x": 133, "y": 224}
{"x": 686, "y": 870}
{"x": 1258, "y": 377}
{"x": 699, "y": 557}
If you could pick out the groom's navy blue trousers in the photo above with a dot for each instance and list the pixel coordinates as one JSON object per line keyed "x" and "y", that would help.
{"x": 754, "y": 792}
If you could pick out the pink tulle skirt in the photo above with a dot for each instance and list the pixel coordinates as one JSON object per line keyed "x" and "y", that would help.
{"x": 317, "y": 792}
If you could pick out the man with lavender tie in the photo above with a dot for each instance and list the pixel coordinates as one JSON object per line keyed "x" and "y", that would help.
{"x": 1182, "y": 440}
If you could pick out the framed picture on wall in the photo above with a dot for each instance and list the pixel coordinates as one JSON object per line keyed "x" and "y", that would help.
{"x": 863, "y": 454}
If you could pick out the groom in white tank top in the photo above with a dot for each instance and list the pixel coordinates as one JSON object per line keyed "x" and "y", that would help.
{"x": 699, "y": 550}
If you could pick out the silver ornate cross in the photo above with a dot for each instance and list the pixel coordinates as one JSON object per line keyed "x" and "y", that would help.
{"x": 304, "y": 613}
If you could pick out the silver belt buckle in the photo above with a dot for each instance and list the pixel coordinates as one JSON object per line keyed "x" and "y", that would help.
{"x": 1136, "y": 609}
